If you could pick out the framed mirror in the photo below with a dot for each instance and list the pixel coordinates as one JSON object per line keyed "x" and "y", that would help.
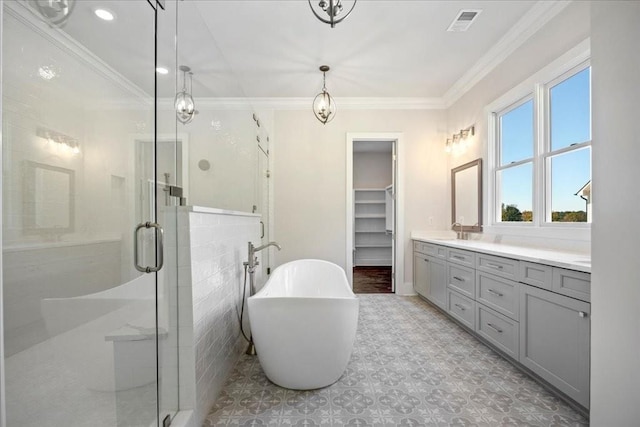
{"x": 48, "y": 198}
{"x": 466, "y": 196}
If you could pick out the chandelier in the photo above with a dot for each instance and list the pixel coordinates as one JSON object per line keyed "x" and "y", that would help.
{"x": 333, "y": 9}
{"x": 324, "y": 107}
{"x": 185, "y": 107}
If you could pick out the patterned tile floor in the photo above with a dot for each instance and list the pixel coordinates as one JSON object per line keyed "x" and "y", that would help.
{"x": 411, "y": 366}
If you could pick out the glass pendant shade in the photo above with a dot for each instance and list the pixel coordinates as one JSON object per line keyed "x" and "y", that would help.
{"x": 324, "y": 107}
{"x": 185, "y": 107}
{"x": 184, "y": 103}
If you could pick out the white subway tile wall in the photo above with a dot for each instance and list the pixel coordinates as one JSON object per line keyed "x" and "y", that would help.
{"x": 211, "y": 251}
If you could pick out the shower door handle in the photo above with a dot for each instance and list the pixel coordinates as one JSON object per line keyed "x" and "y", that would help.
{"x": 159, "y": 247}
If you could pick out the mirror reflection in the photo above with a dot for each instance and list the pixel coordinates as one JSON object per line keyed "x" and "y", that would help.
{"x": 466, "y": 196}
{"x": 48, "y": 198}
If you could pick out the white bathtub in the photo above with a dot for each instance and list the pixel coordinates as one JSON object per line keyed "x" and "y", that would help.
{"x": 304, "y": 324}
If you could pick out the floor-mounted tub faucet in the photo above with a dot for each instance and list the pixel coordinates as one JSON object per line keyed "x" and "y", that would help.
{"x": 251, "y": 265}
{"x": 253, "y": 259}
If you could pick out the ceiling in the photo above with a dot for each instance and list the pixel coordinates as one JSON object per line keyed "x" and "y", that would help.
{"x": 272, "y": 49}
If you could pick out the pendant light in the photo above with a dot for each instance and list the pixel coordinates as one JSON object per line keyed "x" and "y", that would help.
{"x": 56, "y": 13}
{"x": 333, "y": 9}
{"x": 324, "y": 107}
{"x": 185, "y": 107}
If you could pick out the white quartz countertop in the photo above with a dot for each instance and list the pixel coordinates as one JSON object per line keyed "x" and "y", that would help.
{"x": 570, "y": 260}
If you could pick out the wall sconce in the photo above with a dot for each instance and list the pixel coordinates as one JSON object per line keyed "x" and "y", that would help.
{"x": 459, "y": 140}
{"x": 448, "y": 145}
{"x": 60, "y": 139}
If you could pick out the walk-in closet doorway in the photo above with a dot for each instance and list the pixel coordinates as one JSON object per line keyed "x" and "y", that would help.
{"x": 373, "y": 213}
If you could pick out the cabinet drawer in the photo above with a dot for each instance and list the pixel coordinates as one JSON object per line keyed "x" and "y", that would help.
{"x": 461, "y": 257}
{"x": 462, "y": 279}
{"x": 499, "y": 294}
{"x": 499, "y": 330}
{"x": 571, "y": 283}
{"x": 504, "y": 267}
{"x": 462, "y": 308}
{"x": 430, "y": 249}
{"x": 536, "y": 274}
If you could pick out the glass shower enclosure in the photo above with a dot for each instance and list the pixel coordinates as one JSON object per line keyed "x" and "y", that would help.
{"x": 90, "y": 336}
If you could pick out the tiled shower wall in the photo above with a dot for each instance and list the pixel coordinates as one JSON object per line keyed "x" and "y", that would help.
{"x": 212, "y": 245}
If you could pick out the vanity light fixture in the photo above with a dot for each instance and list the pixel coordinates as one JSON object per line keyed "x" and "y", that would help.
{"x": 447, "y": 145}
{"x": 184, "y": 104}
{"x": 60, "y": 139}
{"x": 459, "y": 140}
{"x": 324, "y": 107}
{"x": 333, "y": 9}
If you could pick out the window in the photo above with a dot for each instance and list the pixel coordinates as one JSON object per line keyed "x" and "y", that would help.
{"x": 541, "y": 162}
{"x": 514, "y": 174}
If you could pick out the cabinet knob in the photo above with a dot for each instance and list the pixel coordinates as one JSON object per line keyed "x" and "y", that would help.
{"x": 582, "y": 314}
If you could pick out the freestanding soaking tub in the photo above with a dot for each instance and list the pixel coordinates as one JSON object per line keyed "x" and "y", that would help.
{"x": 304, "y": 324}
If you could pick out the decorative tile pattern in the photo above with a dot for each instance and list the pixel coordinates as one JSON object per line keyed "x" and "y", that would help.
{"x": 411, "y": 366}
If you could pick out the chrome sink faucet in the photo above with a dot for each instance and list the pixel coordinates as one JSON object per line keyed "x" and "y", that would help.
{"x": 461, "y": 235}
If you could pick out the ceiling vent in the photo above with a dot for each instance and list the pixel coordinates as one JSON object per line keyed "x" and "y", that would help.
{"x": 463, "y": 21}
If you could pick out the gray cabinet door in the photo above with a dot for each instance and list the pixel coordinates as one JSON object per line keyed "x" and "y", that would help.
{"x": 437, "y": 282}
{"x": 421, "y": 274}
{"x": 554, "y": 340}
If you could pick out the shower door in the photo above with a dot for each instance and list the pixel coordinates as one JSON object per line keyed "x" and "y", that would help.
{"x": 88, "y": 337}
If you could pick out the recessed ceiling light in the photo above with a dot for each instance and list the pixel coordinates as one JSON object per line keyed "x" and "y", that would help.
{"x": 104, "y": 14}
{"x": 162, "y": 70}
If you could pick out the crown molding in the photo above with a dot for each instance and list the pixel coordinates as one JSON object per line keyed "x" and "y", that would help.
{"x": 537, "y": 17}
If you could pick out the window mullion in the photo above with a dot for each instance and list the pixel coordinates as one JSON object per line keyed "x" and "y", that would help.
{"x": 541, "y": 176}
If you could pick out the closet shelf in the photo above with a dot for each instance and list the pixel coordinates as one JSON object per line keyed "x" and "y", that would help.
{"x": 372, "y": 243}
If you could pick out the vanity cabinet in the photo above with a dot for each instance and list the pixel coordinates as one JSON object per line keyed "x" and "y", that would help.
{"x": 420, "y": 274}
{"x": 429, "y": 273}
{"x": 555, "y": 340}
{"x": 437, "y": 282}
{"x": 536, "y": 314}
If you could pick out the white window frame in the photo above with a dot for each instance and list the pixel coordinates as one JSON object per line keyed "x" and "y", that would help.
{"x": 497, "y": 167}
{"x": 535, "y": 87}
{"x": 546, "y": 153}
